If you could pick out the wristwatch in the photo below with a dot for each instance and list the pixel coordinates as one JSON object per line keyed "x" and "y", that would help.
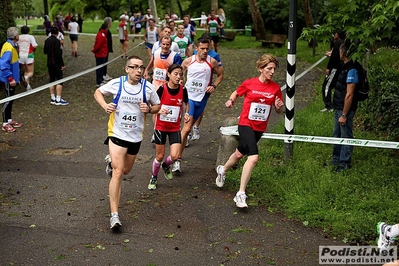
{"x": 344, "y": 115}
{"x": 149, "y": 109}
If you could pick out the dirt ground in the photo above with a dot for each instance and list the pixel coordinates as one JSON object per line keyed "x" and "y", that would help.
{"x": 54, "y": 192}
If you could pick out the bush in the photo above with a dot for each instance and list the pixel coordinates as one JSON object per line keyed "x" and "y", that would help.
{"x": 6, "y": 20}
{"x": 381, "y": 110}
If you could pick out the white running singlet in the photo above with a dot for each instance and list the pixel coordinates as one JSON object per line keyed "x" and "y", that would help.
{"x": 127, "y": 122}
{"x": 198, "y": 78}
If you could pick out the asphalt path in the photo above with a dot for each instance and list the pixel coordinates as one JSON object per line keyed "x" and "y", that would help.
{"x": 54, "y": 190}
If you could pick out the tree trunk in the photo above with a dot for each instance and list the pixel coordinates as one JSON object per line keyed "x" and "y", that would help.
{"x": 215, "y": 5}
{"x": 45, "y": 5}
{"x": 180, "y": 9}
{"x": 259, "y": 25}
{"x": 309, "y": 23}
{"x": 153, "y": 8}
{"x": 308, "y": 14}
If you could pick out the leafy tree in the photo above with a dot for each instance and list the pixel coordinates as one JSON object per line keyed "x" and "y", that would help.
{"x": 6, "y": 17}
{"x": 274, "y": 13}
{"x": 73, "y": 6}
{"x": 365, "y": 21}
{"x": 7, "y": 13}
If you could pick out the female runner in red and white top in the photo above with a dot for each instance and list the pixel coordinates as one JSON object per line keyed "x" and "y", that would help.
{"x": 260, "y": 95}
{"x": 168, "y": 121}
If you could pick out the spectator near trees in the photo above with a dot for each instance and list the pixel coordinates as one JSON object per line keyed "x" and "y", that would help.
{"x": 9, "y": 76}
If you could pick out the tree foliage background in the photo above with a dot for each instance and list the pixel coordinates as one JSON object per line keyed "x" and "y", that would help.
{"x": 368, "y": 24}
{"x": 274, "y": 13}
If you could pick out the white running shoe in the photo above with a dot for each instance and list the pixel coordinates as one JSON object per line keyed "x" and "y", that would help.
{"x": 196, "y": 133}
{"x": 221, "y": 176}
{"x": 108, "y": 168}
{"x": 327, "y": 110}
{"x": 176, "y": 167}
{"x": 384, "y": 241}
{"x": 240, "y": 199}
{"x": 188, "y": 139}
{"x": 106, "y": 77}
{"x": 115, "y": 222}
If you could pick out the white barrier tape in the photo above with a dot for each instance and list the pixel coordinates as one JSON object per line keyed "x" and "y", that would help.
{"x": 233, "y": 131}
{"x": 306, "y": 71}
{"x": 46, "y": 86}
{"x": 113, "y": 35}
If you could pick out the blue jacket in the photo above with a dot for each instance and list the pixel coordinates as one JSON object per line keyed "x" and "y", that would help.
{"x": 9, "y": 65}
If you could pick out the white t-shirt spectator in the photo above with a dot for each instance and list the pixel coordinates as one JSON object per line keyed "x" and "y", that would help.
{"x": 73, "y": 27}
{"x": 27, "y": 45}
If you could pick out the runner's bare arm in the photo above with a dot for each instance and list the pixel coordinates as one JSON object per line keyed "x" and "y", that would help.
{"x": 232, "y": 99}
{"x": 279, "y": 104}
{"x": 108, "y": 107}
{"x": 148, "y": 68}
{"x": 219, "y": 72}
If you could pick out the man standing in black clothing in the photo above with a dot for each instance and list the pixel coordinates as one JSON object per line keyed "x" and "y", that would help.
{"x": 80, "y": 22}
{"x": 331, "y": 71}
{"x": 55, "y": 66}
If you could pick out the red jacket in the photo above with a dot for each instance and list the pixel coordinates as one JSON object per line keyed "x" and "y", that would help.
{"x": 100, "y": 48}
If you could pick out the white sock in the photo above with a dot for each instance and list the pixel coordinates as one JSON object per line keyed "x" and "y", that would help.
{"x": 4, "y": 124}
{"x": 114, "y": 214}
{"x": 394, "y": 232}
{"x": 240, "y": 193}
{"x": 26, "y": 78}
{"x": 223, "y": 171}
{"x": 52, "y": 96}
{"x": 58, "y": 98}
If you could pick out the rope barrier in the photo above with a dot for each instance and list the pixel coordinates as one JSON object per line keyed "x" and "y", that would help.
{"x": 46, "y": 86}
{"x": 233, "y": 131}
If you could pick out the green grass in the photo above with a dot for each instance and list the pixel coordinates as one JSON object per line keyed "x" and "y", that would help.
{"x": 347, "y": 205}
{"x": 89, "y": 26}
{"x": 303, "y": 53}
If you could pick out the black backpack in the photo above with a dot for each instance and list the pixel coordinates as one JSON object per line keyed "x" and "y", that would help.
{"x": 363, "y": 87}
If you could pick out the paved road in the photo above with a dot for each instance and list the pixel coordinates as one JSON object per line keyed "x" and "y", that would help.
{"x": 55, "y": 209}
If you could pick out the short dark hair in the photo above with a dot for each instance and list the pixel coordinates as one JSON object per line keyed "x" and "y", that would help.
{"x": 54, "y": 30}
{"x": 341, "y": 34}
{"x": 166, "y": 38}
{"x": 344, "y": 49}
{"x": 206, "y": 36}
{"x": 203, "y": 40}
{"x": 132, "y": 57}
{"x": 173, "y": 67}
{"x": 24, "y": 30}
